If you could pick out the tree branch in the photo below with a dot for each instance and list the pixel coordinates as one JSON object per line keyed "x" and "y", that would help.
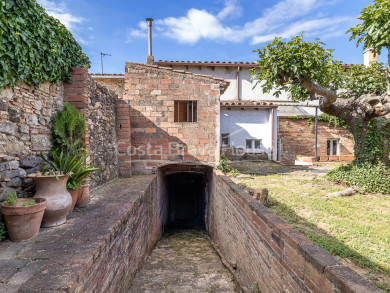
{"x": 314, "y": 87}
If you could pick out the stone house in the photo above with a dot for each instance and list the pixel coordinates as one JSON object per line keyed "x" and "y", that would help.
{"x": 257, "y": 123}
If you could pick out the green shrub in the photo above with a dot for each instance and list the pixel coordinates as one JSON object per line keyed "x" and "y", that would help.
{"x": 12, "y": 198}
{"x": 35, "y": 47}
{"x": 369, "y": 178}
{"x": 68, "y": 130}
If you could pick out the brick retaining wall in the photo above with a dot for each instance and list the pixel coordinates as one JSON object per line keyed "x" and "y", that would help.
{"x": 99, "y": 248}
{"x": 267, "y": 251}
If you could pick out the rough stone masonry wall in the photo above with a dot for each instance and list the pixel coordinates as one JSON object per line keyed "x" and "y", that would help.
{"x": 25, "y": 130}
{"x": 267, "y": 252}
{"x": 98, "y": 105}
{"x": 26, "y": 114}
{"x": 155, "y": 137}
{"x": 114, "y": 82}
{"x": 299, "y": 139}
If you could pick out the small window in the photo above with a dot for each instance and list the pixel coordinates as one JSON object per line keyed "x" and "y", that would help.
{"x": 186, "y": 111}
{"x": 257, "y": 144}
{"x": 249, "y": 143}
{"x": 225, "y": 139}
{"x": 333, "y": 147}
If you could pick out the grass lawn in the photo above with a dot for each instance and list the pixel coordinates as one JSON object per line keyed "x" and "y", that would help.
{"x": 355, "y": 229}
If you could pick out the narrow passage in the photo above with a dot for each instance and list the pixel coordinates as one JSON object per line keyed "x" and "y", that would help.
{"x": 183, "y": 262}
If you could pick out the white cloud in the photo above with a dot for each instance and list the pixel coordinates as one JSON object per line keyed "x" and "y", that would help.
{"x": 60, "y": 12}
{"x": 71, "y": 22}
{"x": 283, "y": 19}
{"x": 329, "y": 26}
{"x": 231, "y": 9}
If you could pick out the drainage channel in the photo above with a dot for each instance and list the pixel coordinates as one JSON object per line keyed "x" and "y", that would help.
{"x": 183, "y": 261}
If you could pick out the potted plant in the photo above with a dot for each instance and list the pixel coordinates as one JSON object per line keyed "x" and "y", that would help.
{"x": 83, "y": 177}
{"x": 77, "y": 181}
{"x": 51, "y": 185}
{"x": 23, "y": 216}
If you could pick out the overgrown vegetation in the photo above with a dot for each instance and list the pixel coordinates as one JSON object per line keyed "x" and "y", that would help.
{"x": 68, "y": 131}
{"x": 331, "y": 120}
{"x": 225, "y": 167}
{"x": 369, "y": 178}
{"x": 356, "y": 228}
{"x": 35, "y": 47}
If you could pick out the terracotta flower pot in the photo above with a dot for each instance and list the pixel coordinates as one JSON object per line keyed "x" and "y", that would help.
{"x": 75, "y": 193}
{"x": 58, "y": 198}
{"x": 84, "y": 197}
{"x": 23, "y": 222}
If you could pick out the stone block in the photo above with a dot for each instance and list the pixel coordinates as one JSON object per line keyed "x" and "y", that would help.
{"x": 30, "y": 161}
{"x": 6, "y": 95}
{"x": 317, "y": 256}
{"x": 40, "y": 142}
{"x": 3, "y": 106}
{"x": 13, "y": 173}
{"x": 14, "y": 182}
{"x": 348, "y": 280}
{"x": 8, "y": 128}
{"x": 14, "y": 115}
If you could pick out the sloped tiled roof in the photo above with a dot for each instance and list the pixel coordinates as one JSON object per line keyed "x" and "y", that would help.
{"x": 221, "y": 63}
{"x": 206, "y": 63}
{"x": 246, "y": 104}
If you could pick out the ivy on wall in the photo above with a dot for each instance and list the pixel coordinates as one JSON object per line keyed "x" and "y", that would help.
{"x": 35, "y": 47}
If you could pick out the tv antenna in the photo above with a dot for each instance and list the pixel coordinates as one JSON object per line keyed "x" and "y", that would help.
{"x": 101, "y": 58}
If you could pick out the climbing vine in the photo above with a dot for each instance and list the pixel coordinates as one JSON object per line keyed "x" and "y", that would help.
{"x": 35, "y": 47}
{"x": 332, "y": 120}
{"x": 375, "y": 148}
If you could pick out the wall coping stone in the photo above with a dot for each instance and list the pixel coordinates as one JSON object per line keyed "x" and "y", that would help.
{"x": 343, "y": 277}
{"x": 58, "y": 258}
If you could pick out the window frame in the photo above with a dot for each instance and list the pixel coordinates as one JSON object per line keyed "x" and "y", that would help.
{"x": 191, "y": 111}
{"x": 330, "y": 147}
{"x": 227, "y": 135}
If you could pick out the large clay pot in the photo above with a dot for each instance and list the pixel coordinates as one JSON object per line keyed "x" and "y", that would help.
{"x": 84, "y": 197}
{"x": 58, "y": 198}
{"x": 23, "y": 222}
{"x": 75, "y": 194}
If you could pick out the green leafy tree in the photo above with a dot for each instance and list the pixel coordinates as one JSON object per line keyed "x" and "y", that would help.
{"x": 35, "y": 47}
{"x": 308, "y": 71}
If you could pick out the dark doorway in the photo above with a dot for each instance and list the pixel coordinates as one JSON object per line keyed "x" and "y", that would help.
{"x": 186, "y": 200}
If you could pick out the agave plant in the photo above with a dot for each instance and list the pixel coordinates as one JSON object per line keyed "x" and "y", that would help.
{"x": 80, "y": 174}
{"x": 72, "y": 165}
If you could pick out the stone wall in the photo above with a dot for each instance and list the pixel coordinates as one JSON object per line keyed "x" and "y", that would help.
{"x": 155, "y": 137}
{"x": 26, "y": 114}
{"x": 264, "y": 250}
{"x": 25, "y": 130}
{"x": 299, "y": 139}
{"x": 114, "y": 82}
{"x": 98, "y": 105}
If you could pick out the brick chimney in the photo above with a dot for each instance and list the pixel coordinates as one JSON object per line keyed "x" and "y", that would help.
{"x": 149, "y": 58}
{"x": 369, "y": 57}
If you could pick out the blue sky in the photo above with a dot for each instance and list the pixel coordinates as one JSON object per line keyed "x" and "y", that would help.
{"x": 213, "y": 30}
